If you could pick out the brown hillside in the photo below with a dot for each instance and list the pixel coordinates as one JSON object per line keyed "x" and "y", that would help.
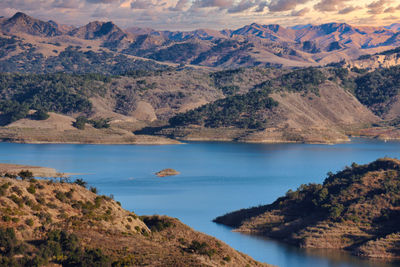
{"x": 37, "y": 210}
{"x": 250, "y": 45}
{"x": 356, "y": 209}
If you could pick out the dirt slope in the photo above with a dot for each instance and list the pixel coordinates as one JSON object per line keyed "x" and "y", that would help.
{"x": 35, "y": 209}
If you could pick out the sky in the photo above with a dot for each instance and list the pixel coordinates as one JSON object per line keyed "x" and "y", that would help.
{"x": 212, "y": 14}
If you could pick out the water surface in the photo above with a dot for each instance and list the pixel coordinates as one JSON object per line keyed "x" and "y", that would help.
{"x": 215, "y": 178}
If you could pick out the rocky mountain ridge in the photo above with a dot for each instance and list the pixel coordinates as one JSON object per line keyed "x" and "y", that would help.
{"x": 251, "y": 45}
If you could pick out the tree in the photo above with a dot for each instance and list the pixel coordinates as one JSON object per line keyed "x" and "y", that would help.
{"x": 41, "y": 115}
{"x": 25, "y": 174}
{"x": 81, "y": 182}
{"x": 80, "y": 123}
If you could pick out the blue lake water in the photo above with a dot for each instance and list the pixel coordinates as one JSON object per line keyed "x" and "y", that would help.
{"x": 215, "y": 178}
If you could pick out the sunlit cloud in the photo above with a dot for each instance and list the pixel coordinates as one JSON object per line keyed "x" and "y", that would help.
{"x": 285, "y": 5}
{"x": 378, "y": 7}
{"x": 330, "y": 5}
{"x": 348, "y": 9}
{"x": 300, "y": 13}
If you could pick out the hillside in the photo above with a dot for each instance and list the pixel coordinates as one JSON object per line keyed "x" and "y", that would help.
{"x": 306, "y": 105}
{"x": 45, "y": 46}
{"x": 314, "y": 105}
{"x": 46, "y": 222}
{"x": 356, "y": 209}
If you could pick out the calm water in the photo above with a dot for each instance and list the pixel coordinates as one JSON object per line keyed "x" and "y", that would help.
{"x": 216, "y": 178}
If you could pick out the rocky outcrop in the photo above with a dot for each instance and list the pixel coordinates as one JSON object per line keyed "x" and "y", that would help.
{"x": 167, "y": 172}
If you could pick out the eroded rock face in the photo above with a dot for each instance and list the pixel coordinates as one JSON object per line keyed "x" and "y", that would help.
{"x": 167, "y": 172}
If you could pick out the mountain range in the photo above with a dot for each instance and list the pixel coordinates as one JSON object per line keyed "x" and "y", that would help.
{"x": 250, "y": 45}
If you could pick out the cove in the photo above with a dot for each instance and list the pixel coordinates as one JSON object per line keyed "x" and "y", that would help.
{"x": 215, "y": 178}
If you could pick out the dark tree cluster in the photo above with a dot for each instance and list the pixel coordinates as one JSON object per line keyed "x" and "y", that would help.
{"x": 376, "y": 88}
{"x": 242, "y": 111}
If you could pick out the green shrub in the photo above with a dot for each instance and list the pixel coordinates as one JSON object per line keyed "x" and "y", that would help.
{"x": 29, "y": 222}
{"x": 336, "y": 211}
{"x": 201, "y": 248}
{"x": 100, "y": 123}
{"x": 80, "y": 122}
{"x": 10, "y": 175}
{"x": 81, "y": 182}
{"x": 60, "y": 195}
{"x": 17, "y": 200}
{"x": 93, "y": 190}
{"x": 25, "y": 174}
{"x": 157, "y": 224}
{"x": 40, "y": 115}
{"x": 31, "y": 189}
{"x": 227, "y": 258}
{"x": 6, "y": 218}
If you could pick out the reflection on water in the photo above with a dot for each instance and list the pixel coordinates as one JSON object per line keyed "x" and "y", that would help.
{"x": 215, "y": 178}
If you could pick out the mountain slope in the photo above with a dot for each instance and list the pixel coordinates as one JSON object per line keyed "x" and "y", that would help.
{"x": 355, "y": 209}
{"x": 307, "y": 105}
{"x": 250, "y": 45}
{"x": 46, "y": 222}
{"x": 21, "y": 23}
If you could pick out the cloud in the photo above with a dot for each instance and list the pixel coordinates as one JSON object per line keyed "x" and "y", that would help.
{"x": 142, "y": 4}
{"x": 349, "y": 9}
{"x": 180, "y": 5}
{"x": 329, "y": 5}
{"x": 100, "y": 13}
{"x": 300, "y": 13}
{"x": 284, "y": 5}
{"x": 102, "y": 1}
{"x": 243, "y": 5}
{"x": 222, "y": 4}
{"x": 71, "y": 4}
{"x": 261, "y": 6}
{"x": 378, "y": 7}
{"x": 390, "y": 10}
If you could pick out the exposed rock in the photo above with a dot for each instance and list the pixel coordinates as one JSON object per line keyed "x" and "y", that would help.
{"x": 167, "y": 172}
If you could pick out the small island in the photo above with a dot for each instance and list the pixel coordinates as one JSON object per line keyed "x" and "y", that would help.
{"x": 167, "y": 172}
{"x": 357, "y": 209}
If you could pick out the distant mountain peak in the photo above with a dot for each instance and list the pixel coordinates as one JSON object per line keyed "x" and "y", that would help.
{"x": 21, "y": 22}
{"x": 20, "y": 15}
{"x": 334, "y": 26}
{"x": 99, "y": 30}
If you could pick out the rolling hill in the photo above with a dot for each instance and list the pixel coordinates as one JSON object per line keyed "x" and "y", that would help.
{"x": 53, "y": 223}
{"x": 356, "y": 209}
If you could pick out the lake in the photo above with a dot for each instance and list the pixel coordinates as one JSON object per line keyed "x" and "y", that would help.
{"x": 215, "y": 178}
